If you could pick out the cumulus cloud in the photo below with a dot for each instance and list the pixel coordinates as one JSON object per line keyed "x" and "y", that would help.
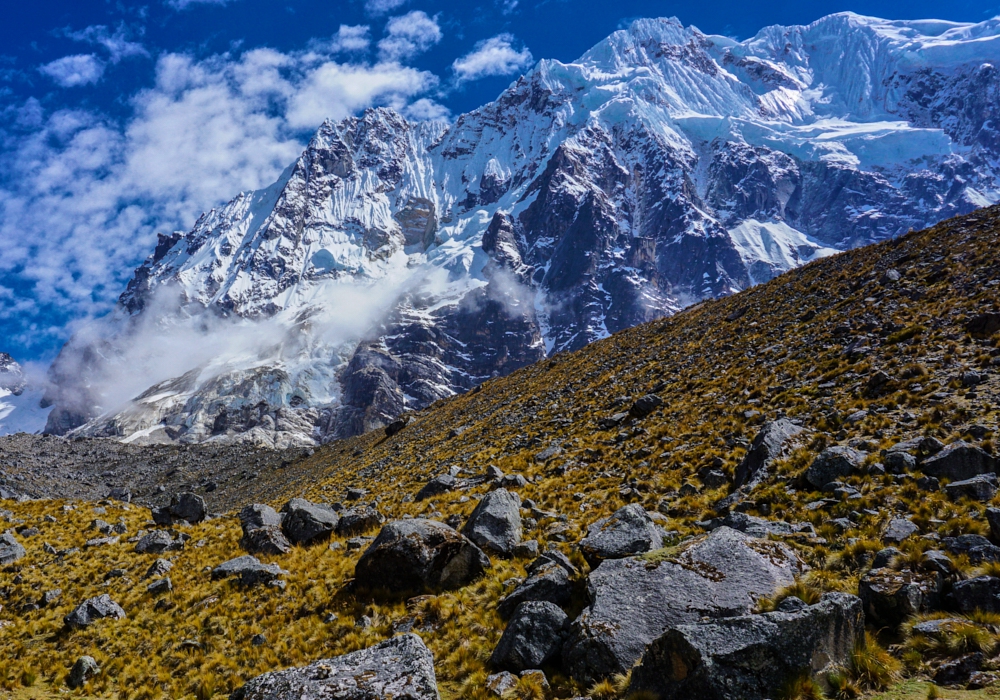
{"x": 381, "y": 7}
{"x": 351, "y": 38}
{"x": 426, "y": 109}
{"x": 496, "y": 56}
{"x": 409, "y": 35}
{"x": 74, "y": 71}
{"x": 82, "y": 196}
{"x": 118, "y": 44}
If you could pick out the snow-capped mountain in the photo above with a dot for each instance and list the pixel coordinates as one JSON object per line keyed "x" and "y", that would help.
{"x": 396, "y": 263}
{"x": 20, "y": 403}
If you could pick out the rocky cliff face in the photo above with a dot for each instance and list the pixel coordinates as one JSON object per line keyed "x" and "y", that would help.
{"x": 397, "y": 263}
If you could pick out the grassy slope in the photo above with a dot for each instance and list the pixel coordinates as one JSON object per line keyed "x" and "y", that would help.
{"x": 720, "y": 367}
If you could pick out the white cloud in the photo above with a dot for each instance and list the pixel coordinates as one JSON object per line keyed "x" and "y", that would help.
{"x": 184, "y": 4}
{"x": 351, "y": 38}
{"x": 82, "y": 197}
{"x": 496, "y": 56}
{"x": 426, "y": 109}
{"x": 118, "y": 44}
{"x": 381, "y": 7}
{"x": 74, "y": 71}
{"x": 409, "y": 35}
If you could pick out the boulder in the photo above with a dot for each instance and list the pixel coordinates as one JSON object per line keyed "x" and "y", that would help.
{"x": 258, "y": 515}
{"x": 93, "y": 609}
{"x": 978, "y": 488}
{"x": 832, "y": 464}
{"x": 438, "y": 486}
{"x": 304, "y": 522}
{"x": 980, "y": 593}
{"x": 158, "y": 568}
{"x": 495, "y": 524}
{"x": 160, "y": 585}
{"x": 769, "y": 445}
{"x": 890, "y": 596}
{"x": 899, "y": 462}
{"x": 884, "y": 557}
{"x": 983, "y": 325}
{"x": 262, "y": 532}
{"x": 157, "y": 542}
{"x": 161, "y": 516}
{"x": 401, "y": 667}
{"x": 547, "y": 581}
{"x": 976, "y": 547}
{"x": 635, "y": 600}
{"x": 959, "y": 671}
{"x": 250, "y": 570}
{"x": 500, "y": 684}
{"x": 359, "y": 520}
{"x": 83, "y": 670}
{"x": 750, "y": 657}
{"x": 959, "y": 461}
{"x": 419, "y": 555}
{"x": 629, "y": 530}
{"x": 645, "y": 406}
{"x": 10, "y": 549}
{"x": 189, "y": 507}
{"x": 758, "y": 527}
{"x": 993, "y": 518}
{"x": 121, "y": 494}
{"x": 899, "y": 529}
{"x": 533, "y": 637}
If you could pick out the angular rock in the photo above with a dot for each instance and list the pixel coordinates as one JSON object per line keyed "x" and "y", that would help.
{"x": 438, "y": 486}
{"x": 250, "y": 570}
{"x": 890, "y": 596}
{"x": 157, "y": 542}
{"x": 161, "y": 516}
{"x": 93, "y": 609}
{"x": 189, "y": 507}
{"x": 158, "y": 568}
{"x": 983, "y": 325}
{"x": 499, "y": 684}
{"x": 899, "y": 462}
{"x": 769, "y": 445}
{"x": 121, "y": 494}
{"x": 495, "y": 524}
{"x": 304, "y": 522}
{"x": 629, "y": 530}
{"x": 359, "y": 520}
{"x": 83, "y": 670}
{"x": 959, "y": 461}
{"x": 533, "y": 637}
{"x": 832, "y": 464}
{"x": 899, "y": 529}
{"x": 645, "y": 406}
{"x": 978, "y": 488}
{"x": 258, "y": 515}
{"x": 750, "y": 657}
{"x": 976, "y": 547}
{"x": 549, "y": 582}
{"x": 267, "y": 539}
{"x": 419, "y": 555}
{"x": 162, "y": 585}
{"x": 633, "y": 601}
{"x": 10, "y": 549}
{"x": 401, "y": 668}
{"x": 959, "y": 671}
{"x": 980, "y": 593}
{"x": 884, "y": 557}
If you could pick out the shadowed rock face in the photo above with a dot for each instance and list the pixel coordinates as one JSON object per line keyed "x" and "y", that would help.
{"x": 399, "y": 668}
{"x": 635, "y": 600}
{"x": 583, "y": 201}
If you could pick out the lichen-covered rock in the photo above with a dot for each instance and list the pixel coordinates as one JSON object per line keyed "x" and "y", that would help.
{"x": 495, "y": 524}
{"x": 93, "y": 609}
{"x": 400, "y": 668}
{"x": 890, "y": 596}
{"x": 417, "y": 555}
{"x": 750, "y": 657}
{"x": 627, "y": 531}
{"x": 635, "y": 600}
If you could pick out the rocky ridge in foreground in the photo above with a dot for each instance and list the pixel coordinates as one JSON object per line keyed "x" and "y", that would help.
{"x": 828, "y": 436}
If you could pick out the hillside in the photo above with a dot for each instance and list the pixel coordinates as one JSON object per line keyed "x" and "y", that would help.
{"x": 864, "y": 350}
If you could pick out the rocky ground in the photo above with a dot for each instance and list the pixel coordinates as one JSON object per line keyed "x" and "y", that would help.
{"x": 799, "y": 479}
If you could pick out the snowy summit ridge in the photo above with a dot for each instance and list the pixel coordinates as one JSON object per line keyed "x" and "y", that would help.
{"x": 396, "y": 263}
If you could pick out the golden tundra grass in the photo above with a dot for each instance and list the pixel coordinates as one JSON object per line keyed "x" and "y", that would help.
{"x": 719, "y": 372}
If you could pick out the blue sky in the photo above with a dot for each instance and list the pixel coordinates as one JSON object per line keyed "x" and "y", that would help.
{"x": 119, "y": 120}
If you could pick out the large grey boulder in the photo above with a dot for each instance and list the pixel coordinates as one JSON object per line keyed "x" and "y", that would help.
{"x": 980, "y": 593}
{"x": 495, "y": 524}
{"x": 417, "y": 555}
{"x": 533, "y": 637}
{"x": 832, "y": 464}
{"x": 627, "y": 531}
{"x": 769, "y": 445}
{"x": 93, "y": 609}
{"x": 189, "y": 507}
{"x": 750, "y": 657}
{"x": 304, "y": 522}
{"x": 157, "y": 542}
{"x": 251, "y": 571}
{"x": 548, "y": 580}
{"x": 633, "y": 601}
{"x": 400, "y": 668}
{"x": 10, "y": 549}
{"x": 262, "y": 532}
{"x": 959, "y": 461}
{"x": 889, "y": 596}
{"x": 359, "y": 520}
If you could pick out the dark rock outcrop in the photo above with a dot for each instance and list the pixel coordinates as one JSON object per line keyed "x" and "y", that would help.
{"x": 533, "y": 637}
